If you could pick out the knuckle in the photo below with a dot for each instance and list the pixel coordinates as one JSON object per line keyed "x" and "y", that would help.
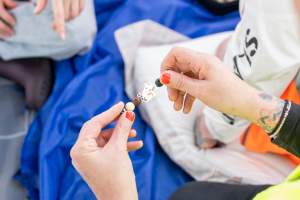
{"x": 176, "y": 50}
{"x": 5, "y": 15}
{"x": 74, "y": 14}
{"x": 121, "y": 126}
{"x": 180, "y": 83}
{"x": 124, "y": 125}
{"x": 81, "y": 9}
{"x": 4, "y": 29}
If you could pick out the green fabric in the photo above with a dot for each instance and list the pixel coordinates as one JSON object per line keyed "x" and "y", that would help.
{"x": 288, "y": 190}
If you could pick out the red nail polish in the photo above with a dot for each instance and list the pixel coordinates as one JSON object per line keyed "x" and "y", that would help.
{"x": 130, "y": 116}
{"x": 165, "y": 78}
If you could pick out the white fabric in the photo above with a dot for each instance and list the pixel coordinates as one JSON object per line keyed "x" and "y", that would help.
{"x": 273, "y": 37}
{"x": 142, "y": 56}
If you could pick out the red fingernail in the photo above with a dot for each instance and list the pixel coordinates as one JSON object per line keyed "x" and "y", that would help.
{"x": 130, "y": 115}
{"x": 165, "y": 78}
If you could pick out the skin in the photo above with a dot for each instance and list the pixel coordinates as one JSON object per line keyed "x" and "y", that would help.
{"x": 269, "y": 116}
{"x": 193, "y": 75}
{"x": 63, "y": 11}
{"x": 198, "y": 75}
{"x": 101, "y": 157}
{"x": 297, "y": 5}
{"x": 7, "y": 20}
{"x": 208, "y": 140}
{"x": 202, "y": 76}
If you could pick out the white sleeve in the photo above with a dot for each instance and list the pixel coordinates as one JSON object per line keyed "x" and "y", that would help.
{"x": 221, "y": 127}
{"x": 228, "y": 128}
{"x": 265, "y": 52}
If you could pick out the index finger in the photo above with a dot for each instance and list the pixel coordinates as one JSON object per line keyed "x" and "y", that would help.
{"x": 6, "y": 16}
{"x": 59, "y": 17}
{"x": 40, "y": 6}
{"x": 184, "y": 60}
{"x": 122, "y": 129}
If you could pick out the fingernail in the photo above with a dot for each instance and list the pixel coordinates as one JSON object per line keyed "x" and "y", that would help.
{"x": 130, "y": 115}
{"x": 133, "y": 133}
{"x": 165, "y": 78}
{"x": 63, "y": 36}
{"x": 186, "y": 111}
{"x": 141, "y": 144}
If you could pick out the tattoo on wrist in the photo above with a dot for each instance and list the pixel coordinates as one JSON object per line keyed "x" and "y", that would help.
{"x": 270, "y": 116}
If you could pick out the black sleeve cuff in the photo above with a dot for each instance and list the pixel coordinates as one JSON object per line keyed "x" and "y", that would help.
{"x": 289, "y": 134}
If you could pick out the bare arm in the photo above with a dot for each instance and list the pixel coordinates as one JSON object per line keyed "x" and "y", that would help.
{"x": 269, "y": 111}
{"x": 204, "y": 77}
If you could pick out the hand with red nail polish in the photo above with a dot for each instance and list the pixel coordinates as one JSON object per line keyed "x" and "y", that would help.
{"x": 7, "y": 21}
{"x": 165, "y": 78}
{"x": 191, "y": 75}
{"x": 130, "y": 115}
{"x": 101, "y": 156}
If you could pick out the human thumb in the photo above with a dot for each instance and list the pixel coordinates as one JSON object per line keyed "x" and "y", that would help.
{"x": 180, "y": 82}
{"x": 120, "y": 134}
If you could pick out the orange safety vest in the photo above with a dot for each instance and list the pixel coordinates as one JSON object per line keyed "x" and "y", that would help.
{"x": 257, "y": 140}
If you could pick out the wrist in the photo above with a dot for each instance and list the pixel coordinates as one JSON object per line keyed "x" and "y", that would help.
{"x": 114, "y": 190}
{"x": 116, "y": 195}
{"x": 246, "y": 102}
{"x": 281, "y": 122}
{"x": 268, "y": 112}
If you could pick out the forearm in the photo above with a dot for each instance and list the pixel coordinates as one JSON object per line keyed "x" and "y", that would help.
{"x": 280, "y": 119}
{"x": 244, "y": 101}
{"x": 112, "y": 195}
{"x": 269, "y": 112}
{"x": 113, "y": 192}
{"x": 106, "y": 190}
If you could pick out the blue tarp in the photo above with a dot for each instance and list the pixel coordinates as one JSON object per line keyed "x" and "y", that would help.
{"x": 90, "y": 84}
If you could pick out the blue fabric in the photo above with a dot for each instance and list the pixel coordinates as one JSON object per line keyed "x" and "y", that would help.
{"x": 90, "y": 84}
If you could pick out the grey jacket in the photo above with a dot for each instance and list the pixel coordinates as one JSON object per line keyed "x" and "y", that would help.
{"x": 35, "y": 38}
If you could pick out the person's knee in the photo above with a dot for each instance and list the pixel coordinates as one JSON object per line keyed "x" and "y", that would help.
{"x": 42, "y": 41}
{"x": 81, "y": 39}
